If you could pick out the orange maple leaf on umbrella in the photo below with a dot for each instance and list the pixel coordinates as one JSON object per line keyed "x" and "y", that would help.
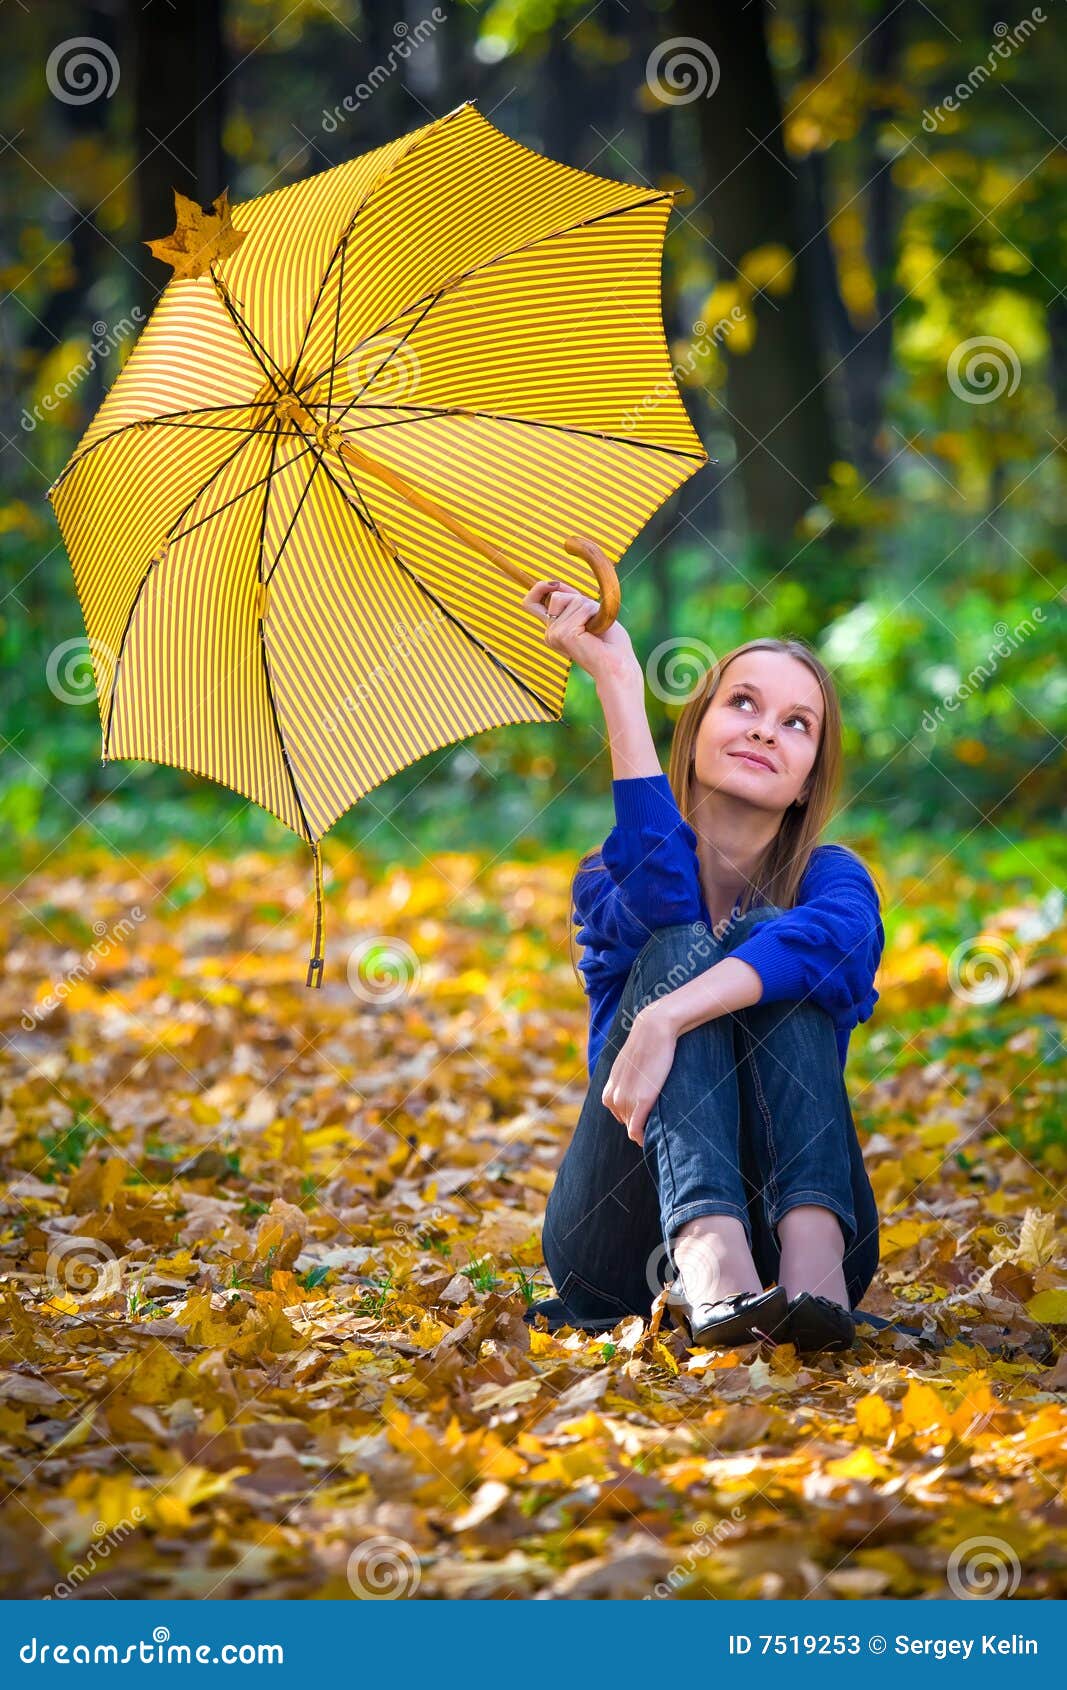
{"x": 199, "y": 237}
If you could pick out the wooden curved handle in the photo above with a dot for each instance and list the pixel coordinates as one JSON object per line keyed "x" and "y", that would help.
{"x": 606, "y": 578}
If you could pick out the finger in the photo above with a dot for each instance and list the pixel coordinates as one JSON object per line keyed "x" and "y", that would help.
{"x": 637, "y": 1122}
{"x": 561, "y": 600}
{"x": 574, "y": 611}
{"x": 534, "y": 599}
{"x": 540, "y": 590}
{"x": 607, "y": 1098}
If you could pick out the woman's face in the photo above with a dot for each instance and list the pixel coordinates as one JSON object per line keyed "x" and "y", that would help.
{"x": 759, "y": 736}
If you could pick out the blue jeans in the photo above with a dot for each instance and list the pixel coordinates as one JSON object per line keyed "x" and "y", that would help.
{"x": 752, "y": 1120}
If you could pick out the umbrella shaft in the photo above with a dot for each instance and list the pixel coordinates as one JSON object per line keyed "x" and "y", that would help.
{"x": 414, "y": 496}
{"x": 328, "y": 435}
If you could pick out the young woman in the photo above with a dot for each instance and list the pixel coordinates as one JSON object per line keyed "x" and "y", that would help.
{"x": 727, "y": 955}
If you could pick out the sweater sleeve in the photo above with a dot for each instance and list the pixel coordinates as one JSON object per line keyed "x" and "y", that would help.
{"x": 828, "y": 946}
{"x": 649, "y": 879}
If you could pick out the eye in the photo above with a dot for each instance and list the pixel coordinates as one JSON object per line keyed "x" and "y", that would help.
{"x": 740, "y": 693}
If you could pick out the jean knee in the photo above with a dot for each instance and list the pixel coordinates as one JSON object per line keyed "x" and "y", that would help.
{"x": 800, "y": 1013}
{"x": 672, "y": 956}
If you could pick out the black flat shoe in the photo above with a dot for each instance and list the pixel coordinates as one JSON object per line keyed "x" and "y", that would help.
{"x": 558, "y": 1315}
{"x": 744, "y": 1319}
{"x": 817, "y": 1323}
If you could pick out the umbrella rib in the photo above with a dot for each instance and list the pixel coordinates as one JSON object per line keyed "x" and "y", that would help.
{"x": 208, "y": 428}
{"x": 268, "y": 681}
{"x": 252, "y": 487}
{"x": 154, "y": 561}
{"x": 249, "y": 335}
{"x": 300, "y": 504}
{"x": 336, "y": 320}
{"x": 373, "y": 378}
{"x": 339, "y": 248}
{"x": 367, "y": 339}
{"x": 394, "y": 556}
{"x": 430, "y": 412}
{"x": 476, "y": 269}
{"x": 150, "y": 422}
{"x": 383, "y": 176}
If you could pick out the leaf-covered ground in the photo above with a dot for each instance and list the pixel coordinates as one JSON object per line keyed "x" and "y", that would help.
{"x": 264, "y": 1254}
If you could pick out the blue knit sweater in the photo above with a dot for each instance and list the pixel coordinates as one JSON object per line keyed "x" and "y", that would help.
{"x": 826, "y": 948}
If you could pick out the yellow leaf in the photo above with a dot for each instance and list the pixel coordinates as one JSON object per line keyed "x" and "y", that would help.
{"x": 922, "y": 1409}
{"x": 1038, "y": 1239}
{"x": 1049, "y": 1307}
{"x": 978, "y": 1403}
{"x": 76, "y": 1435}
{"x": 61, "y": 1304}
{"x": 567, "y": 1466}
{"x": 662, "y": 1354}
{"x": 281, "y": 1233}
{"x": 861, "y": 1464}
{"x": 874, "y": 1417}
{"x": 208, "y": 1327}
{"x": 901, "y": 1235}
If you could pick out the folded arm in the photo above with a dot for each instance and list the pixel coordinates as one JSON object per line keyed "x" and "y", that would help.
{"x": 828, "y": 947}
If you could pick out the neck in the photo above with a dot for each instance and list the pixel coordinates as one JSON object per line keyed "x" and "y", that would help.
{"x": 732, "y": 837}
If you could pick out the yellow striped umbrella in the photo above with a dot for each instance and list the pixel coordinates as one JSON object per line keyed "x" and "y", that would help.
{"x": 360, "y": 423}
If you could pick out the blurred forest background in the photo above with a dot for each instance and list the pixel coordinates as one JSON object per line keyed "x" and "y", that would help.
{"x": 865, "y": 291}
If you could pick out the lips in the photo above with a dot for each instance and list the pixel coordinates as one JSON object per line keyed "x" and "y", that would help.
{"x": 753, "y": 757}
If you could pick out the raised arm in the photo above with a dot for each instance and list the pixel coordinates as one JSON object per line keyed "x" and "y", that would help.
{"x": 649, "y": 878}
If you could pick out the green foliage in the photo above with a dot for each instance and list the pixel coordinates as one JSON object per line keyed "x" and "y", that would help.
{"x": 66, "y": 1149}
{"x": 932, "y": 584}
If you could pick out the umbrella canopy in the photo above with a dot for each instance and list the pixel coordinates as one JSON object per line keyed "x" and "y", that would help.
{"x": 360, "y": 421}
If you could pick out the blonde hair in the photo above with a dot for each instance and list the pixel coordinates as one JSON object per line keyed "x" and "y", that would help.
{"x": 781, "y": 868}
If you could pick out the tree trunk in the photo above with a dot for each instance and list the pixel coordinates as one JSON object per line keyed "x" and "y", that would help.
{"x": 179, "y": 82}
{"x": 861, "y": 356}
{"x": 775, "y": 392}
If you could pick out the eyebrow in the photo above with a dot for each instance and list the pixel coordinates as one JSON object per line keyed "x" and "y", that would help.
{"x": 752, "y": 687}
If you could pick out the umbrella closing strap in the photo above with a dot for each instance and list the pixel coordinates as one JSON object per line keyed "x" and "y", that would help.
{"x": 318, "y": 961}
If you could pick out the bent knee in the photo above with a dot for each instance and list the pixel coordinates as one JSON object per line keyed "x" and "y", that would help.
{"x": 797, "y": 1012}
{"x": 672, "y": 955}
